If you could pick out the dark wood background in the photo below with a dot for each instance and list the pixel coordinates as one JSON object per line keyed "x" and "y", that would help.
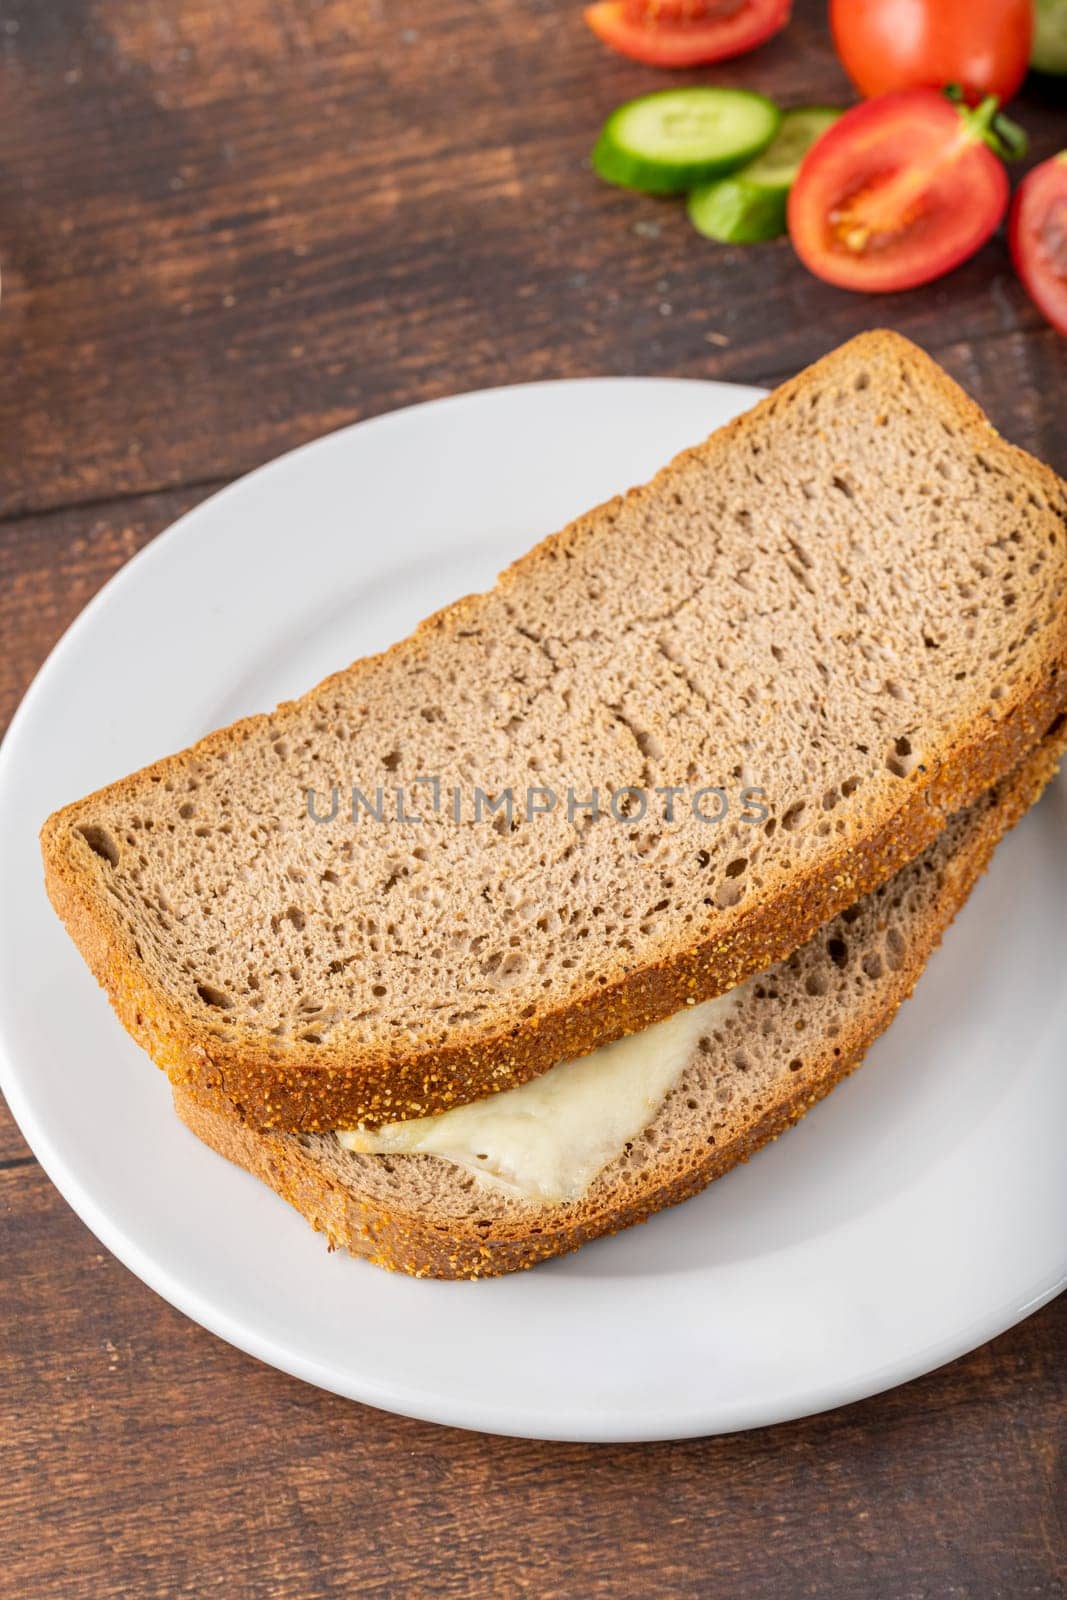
{"x": 225, "y": 227}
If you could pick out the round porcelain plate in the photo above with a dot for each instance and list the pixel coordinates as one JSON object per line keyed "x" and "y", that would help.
{"x": 916, "y": 1213}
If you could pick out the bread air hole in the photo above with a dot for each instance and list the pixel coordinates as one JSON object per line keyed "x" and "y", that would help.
{"x": 902, "y": 759}
{"x": 895, "y": 949}
{"x": 100, "y": 843}
{"x": 214, "y": 997}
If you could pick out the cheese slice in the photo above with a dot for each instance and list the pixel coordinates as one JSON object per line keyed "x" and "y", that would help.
{"x": 546, "y": 1140}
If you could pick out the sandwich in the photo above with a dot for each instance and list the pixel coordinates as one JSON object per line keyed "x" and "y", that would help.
{"x": 598, "y": 1144}
{"x": 640, "y": 849}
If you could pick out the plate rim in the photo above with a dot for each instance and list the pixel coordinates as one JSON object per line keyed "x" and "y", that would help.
{"x": 408, "y": 1399}
{"x": 510, "y": 1422}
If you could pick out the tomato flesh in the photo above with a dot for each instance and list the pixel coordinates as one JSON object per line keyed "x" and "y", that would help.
{"x": 1038, "y": 238}
{"x": 678, "y": 11}
{"x": 685, "y": 33}
{"x": 898, "y": 191}
{"x": 886, "y": 45}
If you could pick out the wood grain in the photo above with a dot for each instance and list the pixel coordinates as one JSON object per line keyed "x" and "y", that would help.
{"x": 153, "y": 1460}
{"x": 226, "y": 226}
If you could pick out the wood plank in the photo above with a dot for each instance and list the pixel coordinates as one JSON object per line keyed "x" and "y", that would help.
{"x": 52, "y": 565}
{"x": 230, "y": 228}
{"x": 145, "y": 1458}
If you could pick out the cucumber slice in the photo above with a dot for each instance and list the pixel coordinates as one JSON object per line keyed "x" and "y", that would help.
{"x": 666, "y": 142}
{"x": 778, "y": 165}
{"x": 750, "y": 205}
{"x": 1050, "y": 37}
{"x": 733, "y": 212}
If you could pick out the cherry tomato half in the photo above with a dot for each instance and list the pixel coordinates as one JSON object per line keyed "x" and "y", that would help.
{"x": 899, "y": 190}
{"x": 1037, "y": 234}
{"x": 684, "y": 33}
{"x": 983, "y": 45}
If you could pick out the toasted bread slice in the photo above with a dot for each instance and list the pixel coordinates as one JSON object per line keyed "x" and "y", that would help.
{"x": 851, "y": 599}
{"x": 794, "y": 1033}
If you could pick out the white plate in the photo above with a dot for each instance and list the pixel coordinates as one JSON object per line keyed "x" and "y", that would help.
{"x": 919, "y": 1211}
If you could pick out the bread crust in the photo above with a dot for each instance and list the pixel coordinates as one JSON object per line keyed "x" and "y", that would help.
{"x": 315, "y": 1087}
{"x": 419, "y": 1245}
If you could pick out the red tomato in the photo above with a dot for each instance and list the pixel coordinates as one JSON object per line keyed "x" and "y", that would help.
{"x": 684, "y": 33}
{"x": 898, "y": 191}
{"x": 983, "y": 45}
{"x": 1038, "y": 237}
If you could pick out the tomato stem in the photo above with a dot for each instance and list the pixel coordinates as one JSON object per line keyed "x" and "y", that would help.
{"x": 987, "y": 122}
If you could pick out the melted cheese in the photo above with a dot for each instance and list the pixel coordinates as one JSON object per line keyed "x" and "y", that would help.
{"x": 547, "y": 1139}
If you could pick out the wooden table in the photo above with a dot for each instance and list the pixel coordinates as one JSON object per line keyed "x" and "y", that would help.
{"x": 225, "y": 227}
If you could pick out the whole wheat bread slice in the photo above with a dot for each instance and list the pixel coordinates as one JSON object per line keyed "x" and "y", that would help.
{"x": 852, "y": 598}
{"x": 795, "y": 1032}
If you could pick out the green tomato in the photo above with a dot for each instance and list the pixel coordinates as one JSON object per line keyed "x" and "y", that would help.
{"x": 1049, "y": 53}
